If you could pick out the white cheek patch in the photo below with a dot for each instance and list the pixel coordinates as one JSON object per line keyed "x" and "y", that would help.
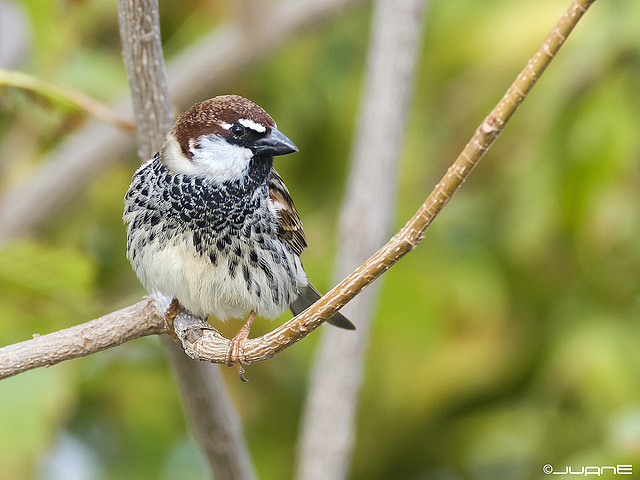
{"x": 219, "y": 160}
{"x": 213, "y": 158}
{"x": 256, "y": 127}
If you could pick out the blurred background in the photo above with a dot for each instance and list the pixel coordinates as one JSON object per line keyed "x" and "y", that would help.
{"x": 506, "y": 341}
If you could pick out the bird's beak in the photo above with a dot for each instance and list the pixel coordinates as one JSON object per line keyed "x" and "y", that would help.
{"x": 276, "y": 143}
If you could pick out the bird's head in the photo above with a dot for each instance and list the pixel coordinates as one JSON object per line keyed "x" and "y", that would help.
{"x": 218, "y": 138}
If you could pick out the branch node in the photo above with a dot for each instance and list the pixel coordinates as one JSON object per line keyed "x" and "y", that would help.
{"x": 193, "y": 334}
{"x": 189, "y": 331}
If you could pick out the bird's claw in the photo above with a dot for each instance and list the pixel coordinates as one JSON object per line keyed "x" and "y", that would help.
{"x": 169, "y": 316}
{"x": 235, "y": 355}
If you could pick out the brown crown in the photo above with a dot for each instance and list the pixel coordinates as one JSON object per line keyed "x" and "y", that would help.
{"x": 207, "y": 117}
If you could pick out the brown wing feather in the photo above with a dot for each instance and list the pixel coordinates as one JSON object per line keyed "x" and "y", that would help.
{"x": 290, "y": 225}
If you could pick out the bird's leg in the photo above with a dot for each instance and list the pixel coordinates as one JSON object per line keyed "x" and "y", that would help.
{"x": 235, "y": 355}
{"x": 170, "y": 315}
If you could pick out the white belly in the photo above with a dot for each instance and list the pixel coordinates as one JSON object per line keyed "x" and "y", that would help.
{"x": 175, "y": 268}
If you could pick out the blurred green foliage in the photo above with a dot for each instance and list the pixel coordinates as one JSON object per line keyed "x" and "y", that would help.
{"x": 508, "y": 340}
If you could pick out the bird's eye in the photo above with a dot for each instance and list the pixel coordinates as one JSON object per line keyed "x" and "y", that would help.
{"x": 237, "y": 130}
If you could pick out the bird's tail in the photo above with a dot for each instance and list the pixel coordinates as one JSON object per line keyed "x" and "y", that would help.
{"x": 310, "y": 295}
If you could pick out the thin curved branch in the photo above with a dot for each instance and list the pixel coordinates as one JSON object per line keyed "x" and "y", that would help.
{"x": 68, "y": 96}
{"x": 201, "y": 341}
{"x": 205, "y": 344}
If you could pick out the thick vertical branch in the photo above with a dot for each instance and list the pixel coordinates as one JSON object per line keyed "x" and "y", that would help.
{"x": 212, "y": 416}
{"x": 328, "y": 425}
{"x": 218, "y": 430}
{"x": 142, "y": 53}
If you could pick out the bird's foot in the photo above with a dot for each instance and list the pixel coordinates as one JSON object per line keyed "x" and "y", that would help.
{"x": 169, "y": 316}
{"x": 235, "y": 355}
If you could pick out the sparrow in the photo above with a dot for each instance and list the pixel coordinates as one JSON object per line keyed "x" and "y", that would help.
{"x": 212, "y": 224}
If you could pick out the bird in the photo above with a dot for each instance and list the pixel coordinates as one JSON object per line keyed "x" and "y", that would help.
{"x": 212, "y": 224}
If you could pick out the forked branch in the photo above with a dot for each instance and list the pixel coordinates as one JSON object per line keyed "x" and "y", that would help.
{"x": 203, "y": 342}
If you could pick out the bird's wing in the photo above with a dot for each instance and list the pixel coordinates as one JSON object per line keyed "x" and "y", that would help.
{"x": 289, "y": 223}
